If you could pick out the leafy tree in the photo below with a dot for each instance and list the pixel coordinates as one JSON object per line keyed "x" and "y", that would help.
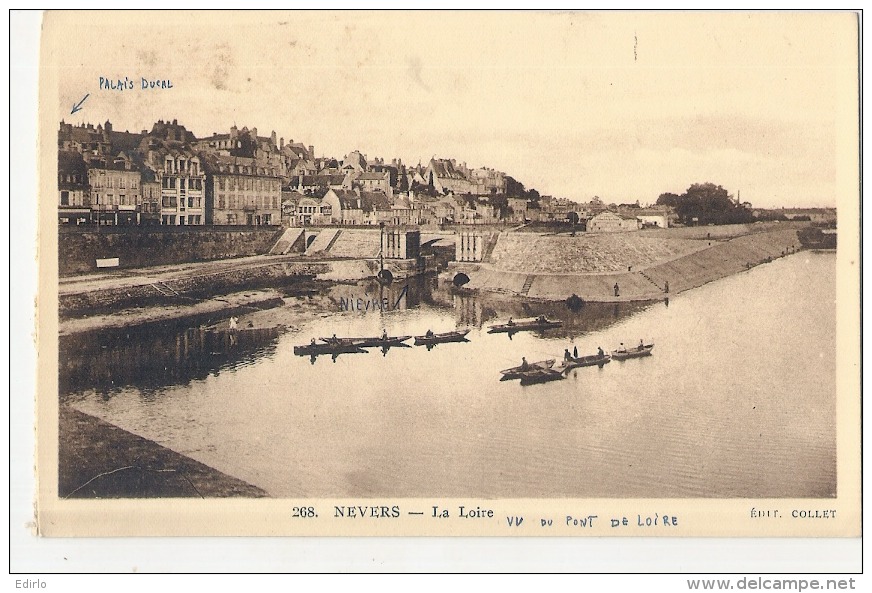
{"x": 668, "y": 199}
{"x": 514, "y": 188}
{"x": 706, "y": 203}
{"x": 500, "y": 203}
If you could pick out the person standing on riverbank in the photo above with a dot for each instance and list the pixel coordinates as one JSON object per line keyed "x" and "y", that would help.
{"x": 617, "y": 290}
{"x": 233, "y": 330}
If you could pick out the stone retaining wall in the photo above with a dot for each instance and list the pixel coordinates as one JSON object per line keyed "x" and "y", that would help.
{"x": 142, "y": 247}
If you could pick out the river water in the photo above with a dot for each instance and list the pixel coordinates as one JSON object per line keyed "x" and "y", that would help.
{"x": 738, "y": 399}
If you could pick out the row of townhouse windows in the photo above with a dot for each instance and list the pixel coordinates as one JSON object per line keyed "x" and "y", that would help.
{"x": 172, "y": 219}
{"x": 115, "y": 199}
{"x": 73, "y": 178}
{"x": 75, "y": 198}
{"x": 114, "y": 181}
{"x": 248, "y": 183}
{"x": 182, "y": 183}
{"x": 325, "y": 210}
{"x": 233, "y": 201}
{"x": 189, "y": 202}
{"x": 256, "y": 219}
{"x": 245, "y": 170}
{"x": 182, "y": 166}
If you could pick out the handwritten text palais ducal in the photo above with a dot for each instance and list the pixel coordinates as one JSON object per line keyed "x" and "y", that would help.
{"x": 132, "y": 84}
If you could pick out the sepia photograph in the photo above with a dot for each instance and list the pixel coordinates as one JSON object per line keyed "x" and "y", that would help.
{"x": 449, "y": 273}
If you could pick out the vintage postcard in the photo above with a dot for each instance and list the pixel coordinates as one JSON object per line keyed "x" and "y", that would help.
{"x": 449, "y": 274}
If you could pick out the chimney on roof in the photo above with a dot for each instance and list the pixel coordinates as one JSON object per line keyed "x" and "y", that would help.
{"x": 281, "y": 142}
{"x": 144, "y": 132}
{"x": 254, "y": 133}
{"x": 272, "y": 137}
{"x": 311, "y": 152}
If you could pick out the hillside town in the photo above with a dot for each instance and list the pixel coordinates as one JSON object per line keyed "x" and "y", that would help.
{"x": 168, "y": 176}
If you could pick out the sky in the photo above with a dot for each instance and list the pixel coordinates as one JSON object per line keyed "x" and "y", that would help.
{"x": 620, "y": 105}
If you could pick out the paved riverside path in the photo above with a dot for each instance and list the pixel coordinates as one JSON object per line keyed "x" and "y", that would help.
{"x": 139, "y": 276}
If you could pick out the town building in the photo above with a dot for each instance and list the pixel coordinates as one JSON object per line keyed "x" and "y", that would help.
{"x": 345, "y": 207}
{"x": 377, "y": 208}
{"x": 652, "y": 217}
{"x": 74, "y": 195}
{"x": 354, "y": 162}
{"x": 290, "y": 199}
{"x": 114, "y": 191}
{"x": 166, "y": 152}
{"x": 85, "y": 139}
{"x": 241, "y": 190}
{"x": 320, "y": 184}
{"x": 518, "y": 209}
{"x": 150, "y": 209}
{"x": 612, "y": 222}
{"x": 368, "y": 182}
{"x": 444, "y": 177}
{"x": 488, "y": 181}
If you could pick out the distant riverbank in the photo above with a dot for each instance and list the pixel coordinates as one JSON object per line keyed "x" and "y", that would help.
{"x": 710, "y": 261}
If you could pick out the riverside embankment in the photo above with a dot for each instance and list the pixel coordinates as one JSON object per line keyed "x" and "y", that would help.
{"x": 644, "y": 265}
{"x": 175, "y": 276}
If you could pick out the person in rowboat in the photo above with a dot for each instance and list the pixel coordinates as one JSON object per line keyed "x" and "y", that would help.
{"x": 575, "y": 352}
{"x": 541, "y": 319}
{"x": 385, "y": 335}
{"x": 641, "y": 345}
{"x": 511, "y": 321}
{"x": 525, "y": 366}
{"x": 429, "y": 333}
{"x": 600, "y": 352}
{"x": 567, "y": 355}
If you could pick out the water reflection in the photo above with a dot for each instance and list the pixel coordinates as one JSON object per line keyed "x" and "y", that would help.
{"x": 156, "y": 357}
{"x": 152, "y": 358}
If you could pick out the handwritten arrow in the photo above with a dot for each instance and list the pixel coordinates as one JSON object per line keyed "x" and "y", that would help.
{"x": 78, "y": 106}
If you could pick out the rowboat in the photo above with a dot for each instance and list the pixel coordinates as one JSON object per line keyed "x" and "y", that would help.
{"x": 637, "y": 352}
{"x": 541, "y": 376}
{"x": 454, "y": 336}
{"x": 378, "y": 342}
{"x": 524, "y": 325}
{"x": 518, "y": 371}
{"x": 566, "y": 365}
{"x": 318, "y": 349}
{"x": 593, "y": 359}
